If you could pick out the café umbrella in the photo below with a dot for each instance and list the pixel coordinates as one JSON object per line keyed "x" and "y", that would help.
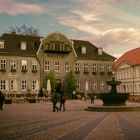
{"x": 86, "y": 89}
{"x": 86, "y": 86}
{"x": 15, "y": 85}
{"x": 49, "y": 86}
{"x": 37, "y": 86}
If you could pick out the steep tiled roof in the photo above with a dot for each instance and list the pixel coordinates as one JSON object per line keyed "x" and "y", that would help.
{"x": 12, "y": 45}
{"x": 131, "y": 57}
{"x": 91, "y": 51}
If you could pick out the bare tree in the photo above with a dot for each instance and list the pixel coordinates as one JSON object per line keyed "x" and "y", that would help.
{"x": 24, "y": 30}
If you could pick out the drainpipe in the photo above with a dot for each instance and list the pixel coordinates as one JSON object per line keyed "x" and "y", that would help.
{"x": 133, "y": 83}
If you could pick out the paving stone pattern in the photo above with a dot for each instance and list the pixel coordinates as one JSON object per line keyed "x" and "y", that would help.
{"x": 38, "y": 122}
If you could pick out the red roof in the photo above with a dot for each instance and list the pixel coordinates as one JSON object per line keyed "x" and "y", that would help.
{"x": 131, "y": 57}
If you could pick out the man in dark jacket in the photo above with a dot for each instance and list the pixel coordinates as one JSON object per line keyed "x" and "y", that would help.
{"x": 2, "y": 98}
{"x": 55, "y": 99}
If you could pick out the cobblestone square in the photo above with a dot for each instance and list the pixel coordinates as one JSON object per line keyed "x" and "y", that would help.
{"x": 38, "y": 122}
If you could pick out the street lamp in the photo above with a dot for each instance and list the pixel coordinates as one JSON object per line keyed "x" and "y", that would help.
{"x": 74, "y": 94}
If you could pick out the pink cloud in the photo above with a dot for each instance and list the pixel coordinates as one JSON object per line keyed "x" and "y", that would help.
{"x": 14, "y": 7}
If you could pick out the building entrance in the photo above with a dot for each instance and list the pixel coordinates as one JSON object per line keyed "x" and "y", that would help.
{"x": 58, "y": 86}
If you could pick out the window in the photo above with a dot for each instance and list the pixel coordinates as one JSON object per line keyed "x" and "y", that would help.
{"x": 101, "y": 67}
{"x": 67, "y": 66}
{"x": 57, "y": 66}
{"x": 83, "y": 49}
{"x": 24, "y": 64}
{"x": 57, "y": 48}
{"x": 24, "y": 85}
{"x": 100, "y": 51}
{"x": 1, "y": 44}
{"x": 86, "y": 85}
{"x": 86, "y": 68}
{"x": 13, "y": 64}
{"x": 34, "y": 65}
{"x": 13, "y": 85}
{"x": 35, "y": 85}
{"x": 109, "y": 68}
{"x": 102, "y": 85}
{"x": 2, "y": 85}
{"x": 62, "y": 47}
{"x": 23, "y": 45}
{"x": 77, "y": 85}
{"x": 52, "y": 46}
{"x": 3, "y": 64}
{"x": 94, "y": 67}
{"x": 94, "y": 85}
{"x": 77, "y": 67}
{"x": 47, "y": 66}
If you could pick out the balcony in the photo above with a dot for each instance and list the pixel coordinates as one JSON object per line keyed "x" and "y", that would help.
{"x": 77, "y": 72}
{"x": 24, "y": 70}
{"x": 57, "y": 48}
{"x": 2, "y": 70}
{"x": 109, "y": 72}
{"x": 94, "y": 72}
{"x": 86, "y": 72}
{"x": 13, "y": 70}
{"x": 102, "y": 72}
{"x": 34, "y": 71}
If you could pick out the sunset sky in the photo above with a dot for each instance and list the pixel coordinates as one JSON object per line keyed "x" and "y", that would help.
{"x": 113, "y": 25}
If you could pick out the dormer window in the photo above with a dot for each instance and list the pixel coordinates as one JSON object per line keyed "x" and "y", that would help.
{"x": 23, "y": 45}
{"x": 1, "y": 44}
{"x": 100, "y": 51}
{"x": 83, "y": 50}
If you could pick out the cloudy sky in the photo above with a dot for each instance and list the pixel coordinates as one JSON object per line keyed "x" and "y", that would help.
{"x": 113, "y": 25}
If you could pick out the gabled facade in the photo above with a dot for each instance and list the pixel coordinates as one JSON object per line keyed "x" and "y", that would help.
{"x": 127, "y": 70}
{"x": 25, "y": 60}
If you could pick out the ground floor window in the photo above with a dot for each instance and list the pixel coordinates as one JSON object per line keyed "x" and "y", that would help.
{"x": 2, "y": 84}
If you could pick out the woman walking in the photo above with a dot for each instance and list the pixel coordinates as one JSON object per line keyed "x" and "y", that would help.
{"x": 62, "y": 101}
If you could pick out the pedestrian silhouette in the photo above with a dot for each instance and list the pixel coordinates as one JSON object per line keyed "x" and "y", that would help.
{"x": 62, "y": 101}
{"x": 55, "y": 99}
{"x": 92, "y": 98}
{"x": 2, "y": 99}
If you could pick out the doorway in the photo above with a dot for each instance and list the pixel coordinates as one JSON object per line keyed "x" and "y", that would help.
{"x": 58, "y": 86}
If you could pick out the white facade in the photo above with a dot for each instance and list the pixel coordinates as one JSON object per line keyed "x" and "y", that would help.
{"x": 129, "y": 75}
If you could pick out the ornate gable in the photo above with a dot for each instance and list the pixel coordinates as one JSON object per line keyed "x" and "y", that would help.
{"x": 124, "y": 65}
{"x": 56, "y": 43}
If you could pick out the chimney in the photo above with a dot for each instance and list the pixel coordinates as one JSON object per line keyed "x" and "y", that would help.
{"x": 13, "y": 33}
{"x": 100, "y": 51}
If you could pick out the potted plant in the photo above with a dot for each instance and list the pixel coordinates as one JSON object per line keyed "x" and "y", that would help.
{"x": 8, "y": 101}
{"x": 32, "y": 100}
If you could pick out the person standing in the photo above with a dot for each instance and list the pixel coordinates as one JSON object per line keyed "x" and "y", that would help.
{"x": 62, "y": 101}
{"x": 2, "y": 98}
{"x": 92, "y": 98}
{"x": 55, "y": 99}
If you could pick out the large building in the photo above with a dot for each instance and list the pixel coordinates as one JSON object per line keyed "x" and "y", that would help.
{"x": 25, "y": 60}
{"x": 128, "y": 72}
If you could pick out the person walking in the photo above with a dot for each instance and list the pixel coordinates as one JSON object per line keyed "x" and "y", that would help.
{"x": 55, "y": 99}
{"x": 62, "y": 101}
{"x": 92, "y": 98}
{"x": 2, "y": 98}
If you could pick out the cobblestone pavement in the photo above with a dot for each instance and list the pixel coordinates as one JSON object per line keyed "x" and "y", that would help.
{"x": 38, "y": 122}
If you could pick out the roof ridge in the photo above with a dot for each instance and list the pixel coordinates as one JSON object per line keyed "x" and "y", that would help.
{"x": 22, "y": 35}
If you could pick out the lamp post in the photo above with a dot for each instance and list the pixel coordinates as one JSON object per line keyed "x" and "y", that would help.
{"x": 74, "y": 94}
